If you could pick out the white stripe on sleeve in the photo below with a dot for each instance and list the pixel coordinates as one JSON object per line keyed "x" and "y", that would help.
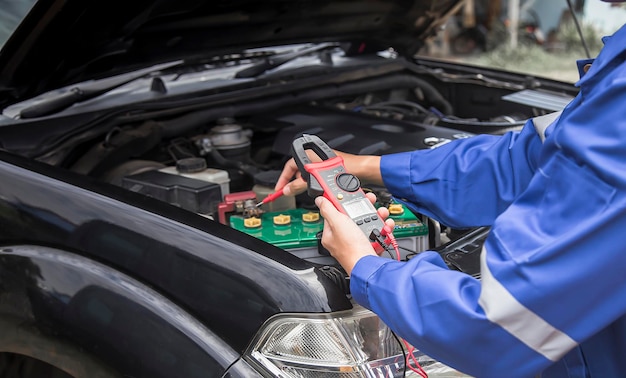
{"x": 503, "y": 309}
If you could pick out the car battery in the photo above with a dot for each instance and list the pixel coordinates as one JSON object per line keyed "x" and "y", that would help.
{"x": 410, "y": 232}
{"x": 298, "y": 231}
{"x": 295, "y": 230}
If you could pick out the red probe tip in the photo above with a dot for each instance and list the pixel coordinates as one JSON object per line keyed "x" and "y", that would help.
{"x": 270, "y": 197}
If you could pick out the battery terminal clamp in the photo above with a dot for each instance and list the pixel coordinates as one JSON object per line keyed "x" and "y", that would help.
{"x": 329, "y": 178}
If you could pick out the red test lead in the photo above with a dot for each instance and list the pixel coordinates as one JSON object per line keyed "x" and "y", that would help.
{"x": 272, "y": 197}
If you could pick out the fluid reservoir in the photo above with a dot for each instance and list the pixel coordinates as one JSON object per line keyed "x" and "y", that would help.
{"x": 264, "y": 183}
{"x": 196, "y": 168}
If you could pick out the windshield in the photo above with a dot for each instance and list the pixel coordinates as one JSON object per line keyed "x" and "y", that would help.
{"x": 12, "y": 12}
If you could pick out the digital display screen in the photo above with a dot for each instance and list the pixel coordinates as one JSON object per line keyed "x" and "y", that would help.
{"x": 357, "y": 209}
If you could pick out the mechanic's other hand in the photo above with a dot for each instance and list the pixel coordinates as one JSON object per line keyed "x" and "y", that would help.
{"x": 342, "y": 237}
{"x": 366, "y": 168}
{"x": 295, "y": 187}
{"x": 298, "y": 185}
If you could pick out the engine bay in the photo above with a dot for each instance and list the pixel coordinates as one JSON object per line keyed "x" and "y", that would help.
{"x": 219, "y": 161}
{"x": 221, "y": 170}
{"x": 223, "y": 173}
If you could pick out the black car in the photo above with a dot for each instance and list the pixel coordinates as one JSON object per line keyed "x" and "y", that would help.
{"x": 136, "y": 140}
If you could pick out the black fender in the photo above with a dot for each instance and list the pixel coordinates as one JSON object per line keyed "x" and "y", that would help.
{"x": 88, "y": 319}
{"x": 230, "y": 281}
{"x": 22, "y": 343}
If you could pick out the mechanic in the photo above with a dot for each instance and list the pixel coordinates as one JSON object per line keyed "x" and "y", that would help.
{"x": 551, "y": 300}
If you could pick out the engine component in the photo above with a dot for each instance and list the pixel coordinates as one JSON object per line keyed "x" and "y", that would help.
{"x": 118, "y": 146}
{"x": 542, "y": 99}
{"x": 351, "y": 132}
{"x": 196, "y": 168}
{"x": 463, "y": 253}
{"x": 227, "y": 146}
{"x": 228, "y": 138}
{"x": 194, "y": 195}
{"x": 129, "y": 168}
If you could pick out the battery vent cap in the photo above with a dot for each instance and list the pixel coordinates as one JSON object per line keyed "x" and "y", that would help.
{"x": 396, "y": 209}
{"x": 310, "y": 217}
{"x": 252, "y": 222}
{"x": 282, "y": 220}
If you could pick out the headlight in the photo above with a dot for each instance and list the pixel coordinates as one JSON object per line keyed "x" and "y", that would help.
{"x": 347, "y": 344}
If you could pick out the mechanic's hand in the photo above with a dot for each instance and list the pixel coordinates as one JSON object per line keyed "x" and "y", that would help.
{"x": 295, "y": 187}
{"x": 342, "y": 237}
{"x": 298, "y": 185}
{"x": 365, "y": 167}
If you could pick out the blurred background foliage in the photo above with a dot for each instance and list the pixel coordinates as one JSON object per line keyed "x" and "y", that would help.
{"x": 547, "y": 42}
{"x": 556, "y": 62}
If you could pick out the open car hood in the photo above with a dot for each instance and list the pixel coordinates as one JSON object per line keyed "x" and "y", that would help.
{"x": 62, "y": 42}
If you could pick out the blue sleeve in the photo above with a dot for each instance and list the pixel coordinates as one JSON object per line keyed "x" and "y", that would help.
{"x": 552, "y": 267}
{"x": 467, "y": 182}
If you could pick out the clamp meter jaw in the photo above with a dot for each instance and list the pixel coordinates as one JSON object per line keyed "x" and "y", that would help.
{"x": 329, "y": 178}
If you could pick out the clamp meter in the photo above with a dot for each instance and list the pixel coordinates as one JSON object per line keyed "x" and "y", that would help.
{"x": 329, "y": 178}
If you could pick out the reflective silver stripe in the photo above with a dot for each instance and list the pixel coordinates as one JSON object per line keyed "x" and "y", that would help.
{"x": 541, "y": 123}
{"x": 503, "y": 309}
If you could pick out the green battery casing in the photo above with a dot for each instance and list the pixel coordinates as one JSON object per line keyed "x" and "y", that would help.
{"x": 301, "y": 234}
{"x": 407, "y": 224}
{"x": 296, "y": 234}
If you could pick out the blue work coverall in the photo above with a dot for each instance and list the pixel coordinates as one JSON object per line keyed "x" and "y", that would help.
{"x": 552, "y": 295}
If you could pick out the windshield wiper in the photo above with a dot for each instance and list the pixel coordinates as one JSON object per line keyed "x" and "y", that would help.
{"x": 86, "y": 91}
{"x": 277, "y": 60}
